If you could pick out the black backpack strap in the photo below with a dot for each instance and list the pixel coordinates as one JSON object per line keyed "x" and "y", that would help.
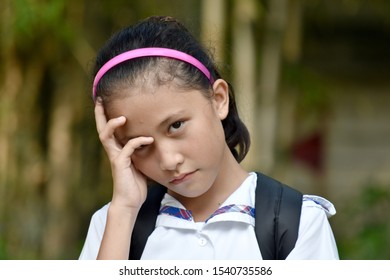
{"x": 146, "y": 220}
{"x": 277, "y": 211}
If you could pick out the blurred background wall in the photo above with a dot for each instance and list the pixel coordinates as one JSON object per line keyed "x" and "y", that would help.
{"x": 312, "y": 82}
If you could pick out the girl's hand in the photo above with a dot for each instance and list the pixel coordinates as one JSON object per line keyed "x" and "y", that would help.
{"x": 129, "y": 190}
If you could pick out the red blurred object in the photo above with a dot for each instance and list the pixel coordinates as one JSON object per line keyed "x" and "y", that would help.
{"x": 309, "y": 151}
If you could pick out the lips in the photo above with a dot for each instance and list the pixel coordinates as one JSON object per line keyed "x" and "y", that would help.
{"x": 181, "y": 178}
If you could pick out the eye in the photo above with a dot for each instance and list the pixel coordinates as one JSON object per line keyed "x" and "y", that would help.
{"x": 176, "y": 126}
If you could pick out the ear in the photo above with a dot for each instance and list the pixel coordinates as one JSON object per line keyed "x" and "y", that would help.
{"x": 220, "y": 99}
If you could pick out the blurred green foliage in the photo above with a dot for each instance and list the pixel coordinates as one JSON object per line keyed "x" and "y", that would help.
{"x": 368, "y": 228}
{"x": 53, "y": 171}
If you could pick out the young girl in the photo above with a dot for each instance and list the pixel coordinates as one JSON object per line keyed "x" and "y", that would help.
{"x": 164, "y": 113}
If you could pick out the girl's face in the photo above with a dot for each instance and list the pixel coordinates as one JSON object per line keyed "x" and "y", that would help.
{"x": 189, "y": 148}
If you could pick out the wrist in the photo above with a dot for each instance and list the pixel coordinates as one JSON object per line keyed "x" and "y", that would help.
{"x": 120, "y": 222}
{"x": 118, "y": 209}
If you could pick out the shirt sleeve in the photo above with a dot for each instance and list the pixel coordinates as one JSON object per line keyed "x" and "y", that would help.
{"x": 95, "y": 234}
{"x": 315, "y": 237}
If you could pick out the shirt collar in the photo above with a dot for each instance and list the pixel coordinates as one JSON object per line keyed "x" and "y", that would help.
{"x": 239, "y": 207}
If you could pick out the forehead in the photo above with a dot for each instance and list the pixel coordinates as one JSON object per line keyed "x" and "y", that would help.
{"x": 146, "y": 110}
{"x": 136, "y": 100}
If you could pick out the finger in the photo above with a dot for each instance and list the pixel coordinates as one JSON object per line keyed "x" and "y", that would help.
{"x": 134, "y": 144}
{"x": 104, "y": 127}
{"x": 108, "y": 131}
{"x": 100, "y": 116}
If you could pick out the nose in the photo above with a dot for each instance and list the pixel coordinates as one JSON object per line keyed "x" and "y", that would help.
{"x": 169, "y": 156}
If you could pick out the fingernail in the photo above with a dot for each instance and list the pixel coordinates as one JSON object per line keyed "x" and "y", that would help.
{"x": 121, "y": 119}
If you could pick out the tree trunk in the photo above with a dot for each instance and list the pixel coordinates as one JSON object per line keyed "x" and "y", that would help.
{"x": 213, "y": 27}
{"x": 269, "y": 81}
{"x": 244, "y": 71}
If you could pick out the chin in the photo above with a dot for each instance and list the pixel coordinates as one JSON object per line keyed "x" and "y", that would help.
{"x": 193, "y": 191}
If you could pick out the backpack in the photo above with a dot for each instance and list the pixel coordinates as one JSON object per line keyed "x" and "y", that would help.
{"x": 277, "y": 217}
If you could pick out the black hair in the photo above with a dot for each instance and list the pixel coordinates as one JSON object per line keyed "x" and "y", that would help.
{"x": 167, "y": 32}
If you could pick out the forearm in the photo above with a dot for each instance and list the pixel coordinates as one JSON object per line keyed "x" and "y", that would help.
{"x": 116, "y": 240}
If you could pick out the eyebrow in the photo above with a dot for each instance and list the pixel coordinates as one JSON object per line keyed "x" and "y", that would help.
{"x": 167, "y": 121}
{"x": 171, "y": 118}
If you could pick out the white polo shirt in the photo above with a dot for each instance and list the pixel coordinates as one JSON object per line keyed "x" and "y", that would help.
{"x": 227, "y": 234}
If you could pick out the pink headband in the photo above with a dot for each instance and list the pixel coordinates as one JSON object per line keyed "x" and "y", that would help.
{"x": 148, "y": 52}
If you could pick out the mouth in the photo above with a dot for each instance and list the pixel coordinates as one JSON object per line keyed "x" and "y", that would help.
{"x": 181, "y": 178}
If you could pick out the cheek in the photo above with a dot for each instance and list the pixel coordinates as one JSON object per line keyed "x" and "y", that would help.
{"x": 208, "y": 140}
{"x": 143, "y": 164}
